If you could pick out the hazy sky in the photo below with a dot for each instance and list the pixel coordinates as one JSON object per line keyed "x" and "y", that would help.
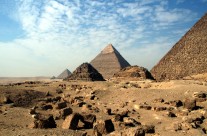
{"x": 43, "y": 37}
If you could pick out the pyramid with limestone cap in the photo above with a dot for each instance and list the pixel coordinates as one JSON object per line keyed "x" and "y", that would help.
{"x": 187, "y": 57}
{"x": 109, "y": 61}
{"x": 64, "y": 74}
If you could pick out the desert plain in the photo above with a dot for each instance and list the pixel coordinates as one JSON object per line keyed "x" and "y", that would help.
{"x": 113, "y": 107}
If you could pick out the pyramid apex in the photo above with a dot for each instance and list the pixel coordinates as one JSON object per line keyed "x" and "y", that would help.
{"x": 109, "y": 61}
{"x": 108, "y": 49}
{"x": 64, "y": 74}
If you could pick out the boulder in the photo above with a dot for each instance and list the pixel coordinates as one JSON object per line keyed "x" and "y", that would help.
{"x": 158, "y": 100}
{"x": 103, "y": 127}
{"x": 195, "y": 119}
{"x": 60, "y": 105}
{"x": 177, "y": 126}
{"x": 5, "y": 99}
{"x": 130, "y": 122}
{"x": 135, "y": 131}
{"x": 88, "y": 120}
{"x": 32, "y": 111}
{"x": 48, "y": 94}
{"x": 171, "y": 114}
{"x": 200, "y": 94}
{"x": 44, "y": 122}
{"x": 120, "y": 116}
{"x": 149, "y": 128}
{"x": 46, "y": 107}
{"x": 118, "y": 126}
{"x": 175, "y": 103}
{"x": 59, "y": 90}
{"x": 160, "y": 108}
{"x": 145, "y": 106}
{"x": 107, "y": 111}
{"x": 204, "y": 126}
{"x": 86, "y": 108}
{"x": 189, "y": 104}
{"x": 71, "y": 121}
{"x": 65, "y": 112}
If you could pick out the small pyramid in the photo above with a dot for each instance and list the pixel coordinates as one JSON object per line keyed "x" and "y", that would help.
{"x": 133, "y": 73}
{"x": 109, "y": 61}
{"x": 64, "y": 74}
{"x": 187, "y": 57}
{"x": 86, "y": 72}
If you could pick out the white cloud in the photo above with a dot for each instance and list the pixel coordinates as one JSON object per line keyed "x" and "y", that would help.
{"x": 62, "y": 33}
{"x": 180, "y": 1}
{"x": 149, "y": 53}
{"x": 146, "y": 2}
{"x": 164, "y": 18}
{"x": 133, "y": 10}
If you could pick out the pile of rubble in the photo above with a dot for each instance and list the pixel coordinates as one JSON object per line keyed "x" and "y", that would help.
{"x": 84, "y": 110}
{"x": 86, "y": 72}
{"x": 79, "y": 112}
{"x": 133, "y": 73}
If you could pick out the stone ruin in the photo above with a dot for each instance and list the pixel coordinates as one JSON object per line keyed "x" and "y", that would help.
{"x": 133, "y": 73}
{"x": 86, "y": 72}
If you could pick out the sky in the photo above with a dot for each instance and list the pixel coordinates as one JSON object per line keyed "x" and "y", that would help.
{"x": 44, "y": 37}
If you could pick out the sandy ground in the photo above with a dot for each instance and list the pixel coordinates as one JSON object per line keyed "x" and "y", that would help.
{"x": 7, "y": 80}
{"x": 118, "y": 96}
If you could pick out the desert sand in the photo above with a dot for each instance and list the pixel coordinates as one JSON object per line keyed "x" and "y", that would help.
{"x": 158, "y": 108}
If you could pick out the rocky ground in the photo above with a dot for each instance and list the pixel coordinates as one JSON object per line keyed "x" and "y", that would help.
{"x": 115, "y": 108}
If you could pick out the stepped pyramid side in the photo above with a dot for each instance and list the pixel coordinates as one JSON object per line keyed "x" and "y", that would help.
{"x": 86, "y": 72}
{"x": 187, "y": 57}
{"x": 64, "y": 74}
{"x": 109, "y": 61}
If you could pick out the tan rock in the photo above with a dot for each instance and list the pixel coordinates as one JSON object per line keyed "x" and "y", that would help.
{"x": 88, "y": 120}
{"x": 103, "y": 127}
{"x": 71, "y": 121}
{"x": 60, "y": 105}
{"x": 65, "y": 112}
{"x": 189, "y": 104}
{"x": 44, "y": 122}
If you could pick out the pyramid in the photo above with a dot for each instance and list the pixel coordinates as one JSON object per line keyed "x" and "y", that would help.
{"x": 64, "y": 74}
{"x": 187, "y": 57}
{"x": 86, "y": 72}
{"x": 109, "y": 61}
{"x": 133, "y": 73}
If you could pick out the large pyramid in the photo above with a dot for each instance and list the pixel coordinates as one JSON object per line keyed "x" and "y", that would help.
{"x": 109, "y": 61}
{"x": 64, "y": 74}
{"x": 85, "y": 72}
{"x": 187, "y": 57}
